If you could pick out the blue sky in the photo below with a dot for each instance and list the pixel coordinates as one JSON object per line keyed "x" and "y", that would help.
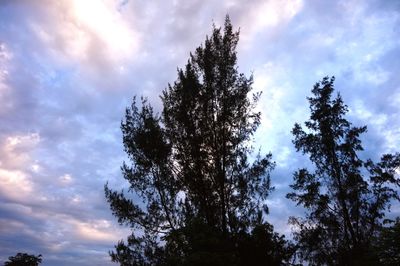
{"x": 69, "y": 68}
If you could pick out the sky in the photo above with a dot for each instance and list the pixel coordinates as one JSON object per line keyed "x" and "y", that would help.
{"x": 69, "y": 68}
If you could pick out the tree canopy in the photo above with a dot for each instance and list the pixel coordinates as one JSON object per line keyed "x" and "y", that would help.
{"x": 345, "y": 196}
{"x": 23, "y": 259}
{"x": 197, "y": 197}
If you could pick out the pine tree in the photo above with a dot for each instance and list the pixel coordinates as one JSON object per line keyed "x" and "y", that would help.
{"x": 345, "y": 197}
{"x": 202, "y": 202}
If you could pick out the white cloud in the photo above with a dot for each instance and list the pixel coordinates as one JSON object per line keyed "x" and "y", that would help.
{"x": 103, "y": 18}
{"x": 96, "y": 231}
{"x": 16, "y": 185}
{"x": 15, "y": 150}
{"x": 268, "y": 17}
{"x": 91, "y": 36}
{"x": 66, "y": 179}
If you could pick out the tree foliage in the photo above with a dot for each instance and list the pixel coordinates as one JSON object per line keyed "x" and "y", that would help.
{"x": 387, "y": 244}
{"x": 23, "y": 259}
{"x": 345, "y": 197}
{"x": 198, "y": 199}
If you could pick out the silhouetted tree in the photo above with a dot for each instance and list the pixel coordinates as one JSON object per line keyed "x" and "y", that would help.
{"x": 201, "y": 201}
{"x": 387, "y": 245}
{"x": 345, "y": 196}
{"x": 24, "y": 259}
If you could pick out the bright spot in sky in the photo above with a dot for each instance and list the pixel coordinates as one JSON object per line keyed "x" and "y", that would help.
{"x": 105, "y": 21}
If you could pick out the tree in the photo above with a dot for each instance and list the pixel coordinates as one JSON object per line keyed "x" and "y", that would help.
{"x": 345, "y": 197}
{"x": 387, "y": 244}
{"x": 201, "y": 201}
{"x": 23, "y": 259}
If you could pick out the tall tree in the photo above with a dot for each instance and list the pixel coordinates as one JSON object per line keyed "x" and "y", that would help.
{"x": 198, "y": 200}
{"x": 345, "y": 196}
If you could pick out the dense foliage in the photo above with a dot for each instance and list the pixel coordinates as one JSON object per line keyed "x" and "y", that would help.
{"x": 387, "y": 244}
{"x": 23, "y": 259}
{"x": 198, "y": 199}
{"x": 345, "y": 197}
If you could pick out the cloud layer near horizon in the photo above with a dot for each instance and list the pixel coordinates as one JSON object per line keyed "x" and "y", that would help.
{"x": 68, "y": 69}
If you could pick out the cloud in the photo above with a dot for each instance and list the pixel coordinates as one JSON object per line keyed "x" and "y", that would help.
{"x": 69, "y": 68}
{"x": 266, "y": 18}
{"x": 90, "y": 33}
{"x": 15, "y": 181}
